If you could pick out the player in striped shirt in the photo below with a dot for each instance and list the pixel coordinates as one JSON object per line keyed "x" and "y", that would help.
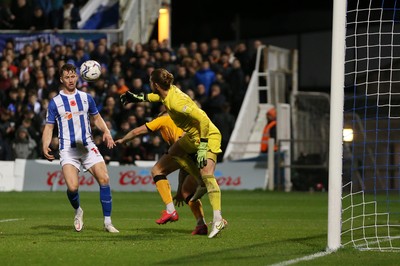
{"x": 71, "y": 110}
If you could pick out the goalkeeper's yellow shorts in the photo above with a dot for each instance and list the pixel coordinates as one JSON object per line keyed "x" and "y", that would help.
{"x": 189, "y": 145}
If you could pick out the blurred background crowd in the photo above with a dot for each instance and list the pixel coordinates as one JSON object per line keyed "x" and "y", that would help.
{"x": 215, "y": 76}
{"x": 40, "y": 14}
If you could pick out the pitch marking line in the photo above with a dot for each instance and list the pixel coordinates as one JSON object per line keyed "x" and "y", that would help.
{"x": 11, "y": 220}
{"x": 309, "y": 257}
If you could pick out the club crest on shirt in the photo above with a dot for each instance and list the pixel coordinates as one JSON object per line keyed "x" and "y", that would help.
{"x": 68, "y": 115}
{"x": 72, "y": 103}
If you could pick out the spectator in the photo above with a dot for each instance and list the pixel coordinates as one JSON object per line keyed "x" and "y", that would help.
{"x": 223, "y": 84}
{"x": 33, "y": 133}
{"x": 7, "y": 125}
{"x": 193, "y": 48}
{"x": 23, "y": 146}
{"x": 183, "y": 80}
{"x": 269, "y": 131}
{"x": 225, "y": 122}
{"x": 140, "y": 70}
{"x": 237, "y": 83}
{"x": 213, "y": 104}
{"x": 242, "y": 54}
{"x": 27, "y": 82}
{"x": 167, "y": 62}
{"x": 138, "y": 87}
{"x": 100, "y": 55}
{"x": 71, "y": 15}
{"x": 182, "y": 54}
{"x": 45, "y": 5}
{"x": 80, "y": 56}
{"x": 33, "y": 103}
{"x": 52, "y": 80}
{"x": 5, "y": 149}
{"x": 133, "y": 152}
{"x": 253, "y": 56}
{"x": 13, "y": 103}
{"x": 205, "y": 76}
{"x": 110, "y": 109}
{"x": 140, "y": 114}
{"x": 23, "y": 14}
{"x": 156, "y": 148}
{"x": 122, "y": 56}
{"x": 6, "y": 17}
{"x": 124, "y": 128}
{"x": 39, "y": 19}
{"x": 116, "y": 72}
{"x": 5, "y": 82}
{"x": 200, "y": 95}
{"x": 122, "y": 88}
{"x": 215, "y": 44}
{"x": 23, "y": 68}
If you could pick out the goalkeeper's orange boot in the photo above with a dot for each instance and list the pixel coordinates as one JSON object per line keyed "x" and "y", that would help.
{"x": 167, "y": 217}
{"x": 200, "y": 230}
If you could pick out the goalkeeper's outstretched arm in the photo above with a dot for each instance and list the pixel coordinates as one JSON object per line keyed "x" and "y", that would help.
{"x": 129, "y": 97}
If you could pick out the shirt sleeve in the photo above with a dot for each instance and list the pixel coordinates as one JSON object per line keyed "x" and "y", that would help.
{"x": 92, "y": 105}
{"x": 155, "y": 124}
{"x": 152, "y": 97}
{"x": 51, "y": 113}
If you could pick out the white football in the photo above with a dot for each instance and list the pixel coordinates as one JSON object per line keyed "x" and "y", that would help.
{"x": 90, "y": 70}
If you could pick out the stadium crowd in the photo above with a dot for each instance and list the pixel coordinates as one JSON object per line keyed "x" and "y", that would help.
{"x": 55, "y": 14}
{"x": 215, "y": 77}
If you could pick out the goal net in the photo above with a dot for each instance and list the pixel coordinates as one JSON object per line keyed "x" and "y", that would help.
{"x": 370, "y": 196}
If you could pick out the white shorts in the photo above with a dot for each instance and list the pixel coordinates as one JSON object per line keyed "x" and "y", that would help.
{"x": 81, "y": 156}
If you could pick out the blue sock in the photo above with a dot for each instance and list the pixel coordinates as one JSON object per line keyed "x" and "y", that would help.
{"x": 73, "y": 198}
{"x": 106, "y": 200}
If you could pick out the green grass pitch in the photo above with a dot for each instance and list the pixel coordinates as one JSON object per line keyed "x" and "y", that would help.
{"x": 264, "y": 228}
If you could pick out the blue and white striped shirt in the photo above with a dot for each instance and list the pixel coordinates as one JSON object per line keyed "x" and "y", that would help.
{"x": 71, "y": 112}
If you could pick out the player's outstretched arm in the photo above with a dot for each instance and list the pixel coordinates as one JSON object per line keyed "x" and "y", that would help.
{"x": 132, "y": 134}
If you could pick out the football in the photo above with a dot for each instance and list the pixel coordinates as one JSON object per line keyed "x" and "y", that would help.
{"x": 90, "y": 70}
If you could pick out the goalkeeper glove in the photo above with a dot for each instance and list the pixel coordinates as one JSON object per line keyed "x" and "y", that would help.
{"x": 202, "y": 153}
{"x": 129, "y": 97}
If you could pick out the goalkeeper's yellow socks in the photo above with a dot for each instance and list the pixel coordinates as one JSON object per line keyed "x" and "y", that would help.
{"x": 214, "y": 193}
{"x": 164, "y": 189}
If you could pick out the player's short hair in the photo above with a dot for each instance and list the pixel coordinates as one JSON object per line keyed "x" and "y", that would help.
{"x": 67, "y": 68}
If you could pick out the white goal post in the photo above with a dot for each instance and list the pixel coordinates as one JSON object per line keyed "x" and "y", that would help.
{"x": 364, "y": 170}
{"x": 336, "y": 124}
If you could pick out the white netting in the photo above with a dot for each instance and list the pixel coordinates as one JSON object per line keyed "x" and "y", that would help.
{"x": 370, "y": 217}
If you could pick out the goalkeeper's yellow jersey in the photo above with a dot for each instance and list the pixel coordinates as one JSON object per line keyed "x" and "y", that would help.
{"x": 169, "y": 131}
{"x": 186, "y": 114}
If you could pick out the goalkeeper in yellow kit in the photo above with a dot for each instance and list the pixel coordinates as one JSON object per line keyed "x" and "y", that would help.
{"x": 201, "y": 137}
{"x": 187, "y": 183}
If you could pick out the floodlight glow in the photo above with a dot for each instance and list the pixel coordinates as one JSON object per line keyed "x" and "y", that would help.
{"x": 348, "y": 134}
{"x": 163, "y": 25}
